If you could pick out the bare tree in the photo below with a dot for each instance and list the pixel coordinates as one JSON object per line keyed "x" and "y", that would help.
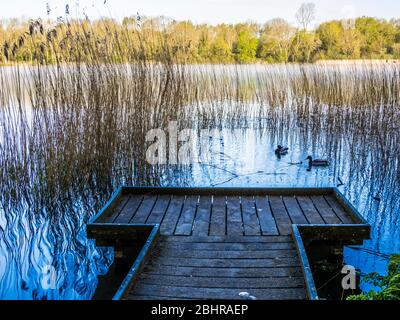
{"x": 278, "y": 33}
{"x": 306, "y": 14}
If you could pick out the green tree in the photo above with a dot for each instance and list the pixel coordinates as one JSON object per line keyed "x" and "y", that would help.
{"x": 246, "y": 46}
{"x": 205, "y": 41}
{"x": 161, "y": 39}
{"x": 388, "y": 286}
{"x": 304, "y": 47}
{"x": 222, "y": 47}
{"x": 350, "y": 43}
{"x": 330, "y": 34}
{"x": 339, "y": 40}
{"x": 378, "y": 37}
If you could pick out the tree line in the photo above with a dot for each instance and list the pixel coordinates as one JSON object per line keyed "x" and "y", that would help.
{"x": 277, "y": 41}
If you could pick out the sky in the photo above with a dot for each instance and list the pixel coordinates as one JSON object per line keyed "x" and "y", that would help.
{"x": 202, "y": 11}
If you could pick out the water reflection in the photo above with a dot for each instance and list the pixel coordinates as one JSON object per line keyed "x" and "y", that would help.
{"x": 63, "y": 152}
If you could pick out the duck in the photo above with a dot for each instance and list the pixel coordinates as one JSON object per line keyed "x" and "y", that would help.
{"x": 247, "y": 296}
{"x": 281, "y": 151}
{"x": 377, "y": 198}
{"x": 317, "y": 162}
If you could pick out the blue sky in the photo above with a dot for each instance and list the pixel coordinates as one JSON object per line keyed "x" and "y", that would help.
{"x": 199, "y": 11}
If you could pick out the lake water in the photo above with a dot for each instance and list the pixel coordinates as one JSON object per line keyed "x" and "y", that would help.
{"x": 74, "y": 166}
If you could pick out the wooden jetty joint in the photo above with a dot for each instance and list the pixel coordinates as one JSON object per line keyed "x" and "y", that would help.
{"x": 213, "y": 243}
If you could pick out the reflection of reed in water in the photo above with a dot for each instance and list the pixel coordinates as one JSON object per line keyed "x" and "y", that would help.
{"x": 82, "y": 133}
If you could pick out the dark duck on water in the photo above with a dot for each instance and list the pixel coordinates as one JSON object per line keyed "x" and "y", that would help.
{"x": 281, "y": 151}
{"x": 316, "y": 162}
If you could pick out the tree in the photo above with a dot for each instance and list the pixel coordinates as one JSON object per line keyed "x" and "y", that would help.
{"x": 378, "y": 37}
{"x": 205, "y": 41}
{"x": 339, "y": 40}
{"x": 275, "y": 40}
{"x": 162, "y": 39}
{"x": 306, "y": 14}
{"x": 304, "y": 47}
{"x": 246, "y": 45}
{"x": 222, "y": 46}
{"x": 350, "y": 44}
{"x": 388, "y": 285}
{"x": 184, "y": 39}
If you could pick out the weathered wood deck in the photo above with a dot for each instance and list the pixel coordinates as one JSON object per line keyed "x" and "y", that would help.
{"x": 216, "y": 243}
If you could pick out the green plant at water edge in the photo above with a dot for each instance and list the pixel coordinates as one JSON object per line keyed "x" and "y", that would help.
{"x": 389, "y": 285}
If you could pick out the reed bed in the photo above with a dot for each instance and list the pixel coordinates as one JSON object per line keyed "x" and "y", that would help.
{"x": 82, "y": 125}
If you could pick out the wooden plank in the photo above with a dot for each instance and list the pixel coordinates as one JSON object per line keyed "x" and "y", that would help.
{"x": 159, "y": 210}
{"x": 229, "y": 246}
{"x": 325, "y": 210}
{"x": 225, "y": 254}
{"x": 267, "y": 221}
{"x": 234, "y": 283}
{"x": 305, "y": 265}
{"x": 281, "y": 216}
{"x": 251, "y": 224}
{"x": 223, "y": 191}
{"x": 309, "y": 210}
{"x": 172, "y": 215}
{"x": 129, "y": 210}
{"x": 121, "y": 203}
{"x": 228, "y": 263}
{"x": 201, "y": 223}
{"x": 349, "y": 208}
{"x": 234, "y": 217}
{"x": 218, "y": 217}
{"x": 216, "y": 293}
{"x": 144, "y": 210}
{"x": 344, "y": 234}
{"x": 112, "y": 232}
{"x": 224, "y": 272}
{"x": 229, "y": 239}
{"x": 294, "y": 210}
{"x": 339, "y": 210}
{"x": 185, "y": 223}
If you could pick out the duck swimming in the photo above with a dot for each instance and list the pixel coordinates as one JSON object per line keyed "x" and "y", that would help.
{"x": 281, "y": 151}
{"x": 317, "y": 162}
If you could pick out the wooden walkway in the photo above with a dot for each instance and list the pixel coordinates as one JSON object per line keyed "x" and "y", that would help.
{"x": 217, "y": 245}
{"x": 195, "y": 215}
{"x": 221, "y": 268}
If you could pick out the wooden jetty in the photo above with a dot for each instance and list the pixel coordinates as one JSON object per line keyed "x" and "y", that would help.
{"x": 214, "y": 243}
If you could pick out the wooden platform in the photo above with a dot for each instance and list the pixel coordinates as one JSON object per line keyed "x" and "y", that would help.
{"x": 217, "y": 243}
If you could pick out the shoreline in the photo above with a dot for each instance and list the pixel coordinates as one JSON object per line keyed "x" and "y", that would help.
{"x": 318, "y": 62}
